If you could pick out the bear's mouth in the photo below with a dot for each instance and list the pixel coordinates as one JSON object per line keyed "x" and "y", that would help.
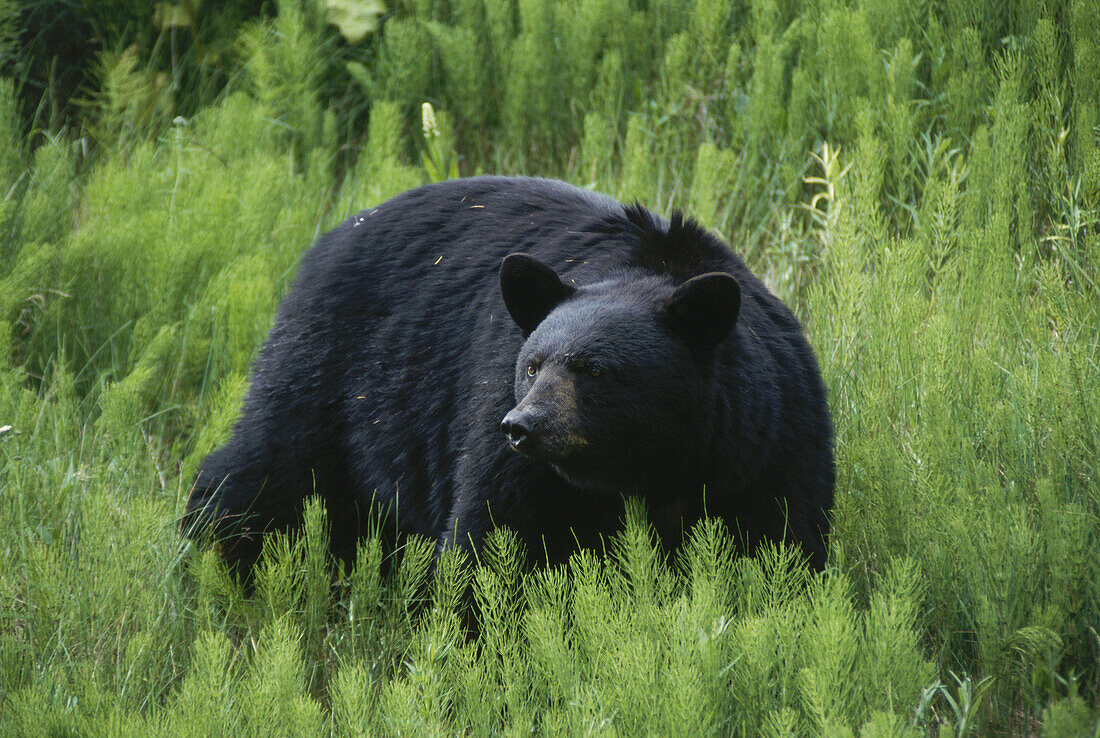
{"x": 579, "y": 480}
{"x": 569, "y": 463}
{"x": 534, "y": 448}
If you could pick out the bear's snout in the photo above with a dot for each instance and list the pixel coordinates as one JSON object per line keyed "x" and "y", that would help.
{"x": 519, "y": 426}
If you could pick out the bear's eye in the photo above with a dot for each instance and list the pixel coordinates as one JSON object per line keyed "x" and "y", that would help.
{"x": 593, "y": 370}
{"x": 532, "y": 370}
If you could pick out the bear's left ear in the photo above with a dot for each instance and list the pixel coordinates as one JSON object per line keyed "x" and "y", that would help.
{"x": 703, "y": 309}
{"x": 530, "y": 289}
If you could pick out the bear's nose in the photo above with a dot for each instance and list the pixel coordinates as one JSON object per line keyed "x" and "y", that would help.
{"x": 518, "y": 427}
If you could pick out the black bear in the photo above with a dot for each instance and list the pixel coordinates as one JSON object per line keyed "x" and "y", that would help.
{"x": 618, "y": 354}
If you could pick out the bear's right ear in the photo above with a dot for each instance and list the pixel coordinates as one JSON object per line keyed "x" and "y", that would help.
{"x": 530, "y": 289}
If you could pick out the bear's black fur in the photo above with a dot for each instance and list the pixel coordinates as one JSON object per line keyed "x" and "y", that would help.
{"x": 619, "y": 353}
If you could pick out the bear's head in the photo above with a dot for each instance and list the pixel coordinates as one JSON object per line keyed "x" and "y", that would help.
{"x": 615, "y": 383}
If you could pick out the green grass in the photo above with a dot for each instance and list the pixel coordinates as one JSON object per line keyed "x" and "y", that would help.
{"x": 921, "y": 183}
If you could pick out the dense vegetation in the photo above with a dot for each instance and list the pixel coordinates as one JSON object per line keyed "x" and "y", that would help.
{"x": 921, "y": 181}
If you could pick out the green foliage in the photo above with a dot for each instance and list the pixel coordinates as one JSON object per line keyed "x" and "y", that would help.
{"x": 597, "y": 147}
{"x": 284, "y": 68}
{"x": 921, "y": 182}
{"x": 463, "y": 55}
{"x": 378, "y": 173}
{"x": 1070, "y": 716}
{"x": 403, "y": 70}
{"x": 129, "y": 103}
